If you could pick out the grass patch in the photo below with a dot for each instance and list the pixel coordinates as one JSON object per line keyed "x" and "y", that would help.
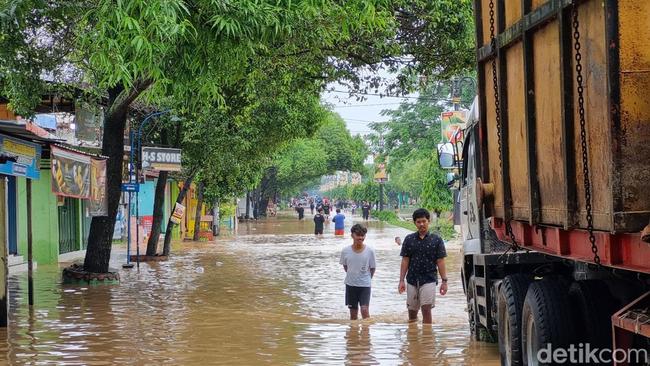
{"x": 442, "y": 227}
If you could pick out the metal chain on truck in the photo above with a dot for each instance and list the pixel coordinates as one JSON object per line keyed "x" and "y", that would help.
{"x": 583, "y": 132}
{"x": 497, "y": 116}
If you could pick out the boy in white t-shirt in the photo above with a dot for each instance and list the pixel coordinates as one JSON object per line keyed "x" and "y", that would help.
{"x": 358, "y": 261}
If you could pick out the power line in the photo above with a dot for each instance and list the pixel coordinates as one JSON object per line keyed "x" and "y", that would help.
{"x": 354, "y": 120}
{"x": 393, "y": 96}
{"x": 370, "y": 94}
{"x": 361, "y": 120}
{"x": 366, "y": 105}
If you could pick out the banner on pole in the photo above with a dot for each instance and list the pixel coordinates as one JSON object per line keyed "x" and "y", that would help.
{"x": 98, "y": 201}
{"x": 452, "y": 126}
{"x": 177, "y": 215}
{"x": 380, "y": 173}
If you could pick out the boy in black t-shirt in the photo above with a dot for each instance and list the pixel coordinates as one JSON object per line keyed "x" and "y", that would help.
{"x": 319, "y": 220}
{"x": 423, "y": 257}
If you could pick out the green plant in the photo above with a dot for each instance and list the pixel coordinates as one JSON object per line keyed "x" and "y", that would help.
{"x": 226, "y": 210}
{"x": 444, "y": 228}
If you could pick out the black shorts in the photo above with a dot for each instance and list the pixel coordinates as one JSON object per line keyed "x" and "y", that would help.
{"x": 355, "y": 296}
{"x": 318, "y": 231}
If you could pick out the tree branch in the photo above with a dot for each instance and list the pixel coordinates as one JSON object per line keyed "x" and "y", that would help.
{"x": 122, "y": 98}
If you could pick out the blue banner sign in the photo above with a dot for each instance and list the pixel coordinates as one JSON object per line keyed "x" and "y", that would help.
{"x": 130, "y": 187}
{"x": 19, "y": 158}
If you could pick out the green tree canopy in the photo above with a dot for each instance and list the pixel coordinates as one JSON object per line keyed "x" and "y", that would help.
{"x": 206, "y": 54}
{"x": 331, "y": 148}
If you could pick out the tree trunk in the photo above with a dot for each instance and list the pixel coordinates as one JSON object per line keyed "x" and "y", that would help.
{"x": 216, "y": 218}
{"x": 266, "y": 189}
{"x": 256, "y": 204}
{"x": 170, "y": 224}
{"x": 263, "y": 204}
{"x": 158, "y": 210}
{"x": 197, "y": 215}
{"x": 100, "y": 237}
{"x": 248, "y": 203}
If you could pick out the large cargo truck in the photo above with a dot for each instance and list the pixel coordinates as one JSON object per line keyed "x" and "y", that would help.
{"x": 555, "y": 179}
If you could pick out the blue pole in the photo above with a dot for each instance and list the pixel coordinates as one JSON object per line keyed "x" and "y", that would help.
{"x": 128, "y": 235}
{"x": 137, "y": 196}
{"x": 128, "y": 245}
{"x": 137, "y": 225}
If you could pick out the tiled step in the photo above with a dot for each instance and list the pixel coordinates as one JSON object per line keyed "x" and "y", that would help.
{"x": 18, "y": 264}
{"x": 15, "y": 259}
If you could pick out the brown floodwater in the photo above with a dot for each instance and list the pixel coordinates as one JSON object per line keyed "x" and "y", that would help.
{"x": 271, "y": 293}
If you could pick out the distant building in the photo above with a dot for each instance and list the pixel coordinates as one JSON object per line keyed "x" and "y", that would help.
{"x": 339, "y": 179}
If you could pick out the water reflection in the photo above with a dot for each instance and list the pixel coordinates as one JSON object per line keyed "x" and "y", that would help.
{"x": 358, "y": 345}
{"x": 272, "y": 294}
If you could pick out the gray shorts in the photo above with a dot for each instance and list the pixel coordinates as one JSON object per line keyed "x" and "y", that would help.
{"x": 417, "y": 296}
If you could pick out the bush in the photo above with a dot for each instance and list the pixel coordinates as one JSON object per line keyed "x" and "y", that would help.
{"x": 384, "y": 215}
{"x": 443, "y": 227}
{"x": 392, "y": 218}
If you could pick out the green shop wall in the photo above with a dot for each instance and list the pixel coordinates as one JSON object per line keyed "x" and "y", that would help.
{"x": 176, "y": 230}
{"x": 45, "y": 220}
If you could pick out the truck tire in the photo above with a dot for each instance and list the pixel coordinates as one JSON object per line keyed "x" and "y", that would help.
{"x": 546, "y": 319}
{"x": 594, "y": 306}
{"x": 477, "y": 330}
{"x": 510, "y": 303}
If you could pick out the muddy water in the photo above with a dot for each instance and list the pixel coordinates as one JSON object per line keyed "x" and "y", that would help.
{"x": 271, "y": 294}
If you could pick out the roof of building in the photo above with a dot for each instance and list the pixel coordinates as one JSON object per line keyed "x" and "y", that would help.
{"x": 27, "y": 131}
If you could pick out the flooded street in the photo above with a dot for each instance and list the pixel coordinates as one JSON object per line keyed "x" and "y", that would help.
{"x": 271, "y": 294}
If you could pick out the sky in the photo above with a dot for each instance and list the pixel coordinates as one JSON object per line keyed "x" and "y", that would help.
{"x": 359, "y": 114}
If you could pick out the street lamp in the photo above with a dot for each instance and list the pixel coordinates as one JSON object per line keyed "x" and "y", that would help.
{"x": 456, "y": 89}
{"x": 136, "y": 143}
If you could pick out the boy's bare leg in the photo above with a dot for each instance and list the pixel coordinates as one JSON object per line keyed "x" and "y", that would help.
{"x": 413, "y": 316}
{"x": 354, "y": 314}
{"x": 365, "y": 312}
{"x": 426, "y": 314}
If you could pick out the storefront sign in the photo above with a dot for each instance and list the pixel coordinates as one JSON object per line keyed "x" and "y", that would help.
{"x": 70, "y": 173}
{"x": 19, "y": 158}
{"x": 98, "y": 200}
{"x": 161, "y": 159}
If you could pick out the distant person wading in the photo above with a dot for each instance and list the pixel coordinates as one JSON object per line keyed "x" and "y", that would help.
{"x": 319, "y": 221}
{"x": 339, "y": 223}
{"x": 301, "y": 212}
{"x": 365, "y": 210}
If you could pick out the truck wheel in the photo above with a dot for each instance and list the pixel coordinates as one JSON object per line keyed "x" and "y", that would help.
{"x": 510, "y": 304}
{"x": 546, "y": 319}
{"x": 477, "y": 330}
{"x": 594, "y": 306}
